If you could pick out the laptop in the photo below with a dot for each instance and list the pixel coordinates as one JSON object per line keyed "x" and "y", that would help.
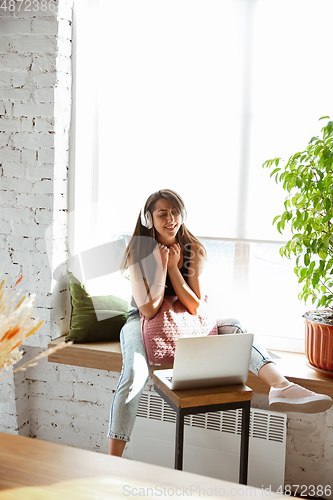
{"x": 215, "y": 360}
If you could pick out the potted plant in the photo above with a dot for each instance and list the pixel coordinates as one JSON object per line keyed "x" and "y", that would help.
{"x": 308, "y": 178}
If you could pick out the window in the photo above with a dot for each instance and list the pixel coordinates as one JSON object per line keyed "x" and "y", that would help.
{"x": 194, "y": 95}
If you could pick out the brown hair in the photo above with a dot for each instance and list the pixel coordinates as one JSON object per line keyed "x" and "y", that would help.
{"x": 143, "y": 240}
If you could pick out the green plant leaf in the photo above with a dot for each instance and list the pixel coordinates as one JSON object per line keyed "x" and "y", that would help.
{"x": 299, "y": 181}
{"x": 322, "y": 254}
{"x": 274, "y": 171}
{"x": 321, "y": 266}
{"x": 315, "y": 279}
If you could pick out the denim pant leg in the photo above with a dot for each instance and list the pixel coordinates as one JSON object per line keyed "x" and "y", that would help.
{"x": 133, "y": 377}
{"x": 259, "y": 355}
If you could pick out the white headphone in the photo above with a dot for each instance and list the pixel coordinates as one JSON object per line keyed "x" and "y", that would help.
{"x": 146, "y": 216}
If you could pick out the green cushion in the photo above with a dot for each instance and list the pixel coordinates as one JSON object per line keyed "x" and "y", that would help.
{"x": 94, "y": 319}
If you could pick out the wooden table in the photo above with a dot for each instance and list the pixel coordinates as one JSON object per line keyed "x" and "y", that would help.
{"x": 31, "y": 469}
{"x": 205, "y": 400}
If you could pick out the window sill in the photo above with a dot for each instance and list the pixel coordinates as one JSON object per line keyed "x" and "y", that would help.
{"x": 107, "y": 356}
{"x": 99, "y": 355}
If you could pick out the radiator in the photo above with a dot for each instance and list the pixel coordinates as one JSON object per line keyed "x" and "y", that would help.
{"x": 212, "y": 442}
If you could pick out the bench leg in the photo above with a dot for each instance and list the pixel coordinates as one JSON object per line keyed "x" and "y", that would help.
{"x": 244, "y": 449}
{"x": 179, "y": 440}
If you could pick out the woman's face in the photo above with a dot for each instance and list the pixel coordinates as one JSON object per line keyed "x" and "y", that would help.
{"x": 167, "y": 220}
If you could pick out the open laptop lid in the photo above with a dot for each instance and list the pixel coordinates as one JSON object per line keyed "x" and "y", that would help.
{"x": 211, "y": 361}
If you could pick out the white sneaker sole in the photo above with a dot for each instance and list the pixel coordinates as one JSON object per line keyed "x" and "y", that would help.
{"x": 311, "y": 404}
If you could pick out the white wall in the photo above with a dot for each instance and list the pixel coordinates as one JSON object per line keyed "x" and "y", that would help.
{"x": 59, "y": 403}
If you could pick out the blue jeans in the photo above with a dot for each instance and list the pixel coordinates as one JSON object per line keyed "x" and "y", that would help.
{"x": 135, "y": 372}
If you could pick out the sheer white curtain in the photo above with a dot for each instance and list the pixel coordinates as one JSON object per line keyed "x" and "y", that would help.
{"x": 171, "y": 77}
{"x": 194, "y": 95}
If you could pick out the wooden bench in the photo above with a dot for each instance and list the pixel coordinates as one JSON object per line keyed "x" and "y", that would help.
{"x": 100, "y": 355}
{"x": 107, "y": 356}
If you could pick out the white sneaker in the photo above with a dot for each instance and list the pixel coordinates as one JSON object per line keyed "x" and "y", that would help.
{"x": 297, "y": 398}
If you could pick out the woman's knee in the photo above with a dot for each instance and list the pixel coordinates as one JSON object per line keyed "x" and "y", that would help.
{"x": 229, "y": 326}
{"x": 135, "y": 373}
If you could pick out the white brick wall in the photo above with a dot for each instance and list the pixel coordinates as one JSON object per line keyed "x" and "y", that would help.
{"x": 29, "y": 124}
{"x": 27, "y": 78}
{"x": 61, "y": 403}
{"x": 74, "y": 399}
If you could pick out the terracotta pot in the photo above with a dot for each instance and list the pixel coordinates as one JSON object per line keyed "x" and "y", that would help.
{"x": 319, "y": 344}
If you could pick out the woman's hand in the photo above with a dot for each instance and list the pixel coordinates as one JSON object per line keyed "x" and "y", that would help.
{"x": 188, "y": 293}
{"x": 174, "y": 256}
{"x": 161, "y": 255}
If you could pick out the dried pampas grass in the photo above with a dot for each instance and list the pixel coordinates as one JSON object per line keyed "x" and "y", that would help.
{"x": 16, "y": 324}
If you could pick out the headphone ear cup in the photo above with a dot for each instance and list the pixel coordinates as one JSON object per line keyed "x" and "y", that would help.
{"x": 149, "y": 220}
{"x": 146, "y": 219}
